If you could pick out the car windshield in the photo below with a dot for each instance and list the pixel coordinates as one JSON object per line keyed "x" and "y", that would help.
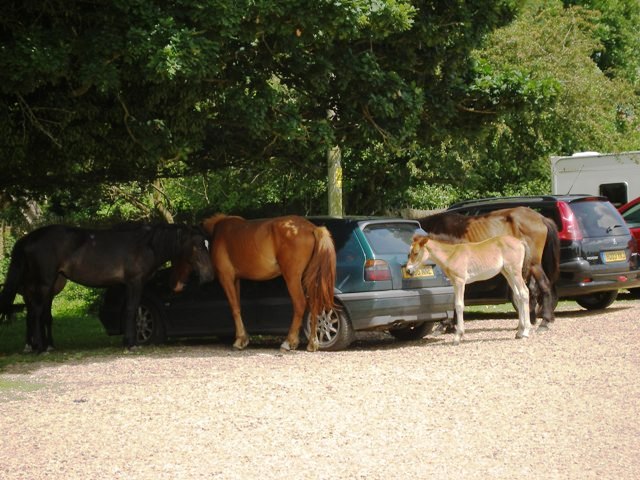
{"x": 386, "y": 238}
{"x": 597, "y": 219}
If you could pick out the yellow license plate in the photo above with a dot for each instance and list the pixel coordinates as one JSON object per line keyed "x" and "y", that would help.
{"x": 422, "y": 272}
{"x": 616, "y": 256}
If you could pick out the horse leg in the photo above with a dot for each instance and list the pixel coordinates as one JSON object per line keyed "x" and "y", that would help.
{"x": 28, "y": 342}
{"x": 231, "y": 287}
{"x": 294, "y": 285}
{"x": 134, "y": 292}
{"x": 535, "y": 298}
{"x": 58, "y": 286}
{"x": 458, "y": 293}
{"x": 521, "y": 296}
{"x": 48, "y": 326}
{"x": 547, "y": 295}
{"x": 37, "y": 320}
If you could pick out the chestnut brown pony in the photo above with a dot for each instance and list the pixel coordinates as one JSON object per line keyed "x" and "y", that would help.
{"x": 539, "y": 233}
{"x": 468, "y": 262}
{"x": 291, "y": 246}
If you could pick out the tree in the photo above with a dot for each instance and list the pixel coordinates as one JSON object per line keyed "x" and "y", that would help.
{"x": 136, "y": 90}
{"x": 535, "y": 91}
{"x": 618, "y": 33}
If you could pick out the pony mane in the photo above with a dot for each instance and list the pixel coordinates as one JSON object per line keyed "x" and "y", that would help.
{"x": 445, "y": 238}
{"x": 165, "y": 239}
{"x": 451, "y": 223}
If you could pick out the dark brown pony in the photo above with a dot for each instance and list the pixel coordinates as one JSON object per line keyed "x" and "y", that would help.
{"x": 291, "y": 246}
{"x": 538, "y": 232}
{"x": 45, "y": 258}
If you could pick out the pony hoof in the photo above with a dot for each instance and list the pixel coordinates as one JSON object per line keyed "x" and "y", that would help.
{"x": 456, "y": 341}
{"x": 288, "y": 346}
{"x": 312, "y": 347}
{"x": 543, "y": 328}
{"x": 241, "y": 343}
{"x": 520, "y": 336}
{"x": 439, "y": 330}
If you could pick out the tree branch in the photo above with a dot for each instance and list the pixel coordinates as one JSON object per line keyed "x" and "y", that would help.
{"x": 34, "y": 120}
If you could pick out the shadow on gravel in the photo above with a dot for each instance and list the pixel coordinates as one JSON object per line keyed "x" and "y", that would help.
{"x": 580, "y": 312}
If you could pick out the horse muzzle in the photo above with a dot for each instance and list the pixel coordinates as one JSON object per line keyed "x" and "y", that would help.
{"x": 205, "y": 274}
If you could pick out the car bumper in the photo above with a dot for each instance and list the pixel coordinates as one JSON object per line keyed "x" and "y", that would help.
{"x": 579, "y": 278}
{"x": 395, "y": 308}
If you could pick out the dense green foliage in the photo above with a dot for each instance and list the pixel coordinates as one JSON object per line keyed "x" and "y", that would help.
{"x": 143, "y": 109}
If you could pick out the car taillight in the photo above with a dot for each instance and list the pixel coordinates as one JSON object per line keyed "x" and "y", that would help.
{"x": 570, "y": 228}
{"x": 376, "y": 270}
{"x": 633, "y": 248}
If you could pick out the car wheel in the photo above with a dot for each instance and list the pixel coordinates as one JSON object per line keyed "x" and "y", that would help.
{"x": 597, "y": 301}
{"x": 334, "y": 330}
{"x": 413, "y": 332}
{"x": 149, "y": 323}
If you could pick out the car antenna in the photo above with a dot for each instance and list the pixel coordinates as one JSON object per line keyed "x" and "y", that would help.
{"x": 575, "y": 179}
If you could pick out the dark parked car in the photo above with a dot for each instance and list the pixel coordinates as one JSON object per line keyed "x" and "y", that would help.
{"x": 598, "y": 254}
{"x": 631, "y": 213}
{"x": 372, "y": 292}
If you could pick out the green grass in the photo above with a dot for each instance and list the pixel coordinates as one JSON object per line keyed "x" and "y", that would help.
{"x": 77, "y": 331}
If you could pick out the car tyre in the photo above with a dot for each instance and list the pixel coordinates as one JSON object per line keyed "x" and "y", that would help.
{"x": 335, "y": 331}
{"x": 415, "y": 331}
{"x": 597, "y": 301}
{"x": 150, "y": 328}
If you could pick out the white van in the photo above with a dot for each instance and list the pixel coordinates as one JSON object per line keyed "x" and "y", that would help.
{"x": 612, "y": 175}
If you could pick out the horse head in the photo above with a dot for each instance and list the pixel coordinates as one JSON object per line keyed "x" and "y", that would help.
{"x": 418, "y": 253}
{"x": 193, "y": 254}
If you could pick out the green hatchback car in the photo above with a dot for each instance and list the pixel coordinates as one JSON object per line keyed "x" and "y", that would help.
{"x": 372, "y": 292}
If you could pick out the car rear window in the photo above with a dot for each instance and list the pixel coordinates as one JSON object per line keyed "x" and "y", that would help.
{"x": 390, "y": 238}
{"x": 597, "y": 219}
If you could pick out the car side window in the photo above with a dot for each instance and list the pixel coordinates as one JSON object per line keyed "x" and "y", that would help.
{"x": 350, "y": 252}
{"x": 632, "y": 216}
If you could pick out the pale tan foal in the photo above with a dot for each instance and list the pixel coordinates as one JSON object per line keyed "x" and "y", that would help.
{"x": 466, "y": 263}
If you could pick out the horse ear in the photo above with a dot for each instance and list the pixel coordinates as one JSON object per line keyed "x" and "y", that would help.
{"x": 423, "y": 240}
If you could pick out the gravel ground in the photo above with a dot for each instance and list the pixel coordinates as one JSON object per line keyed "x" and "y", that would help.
{"x": 564, "y": 404}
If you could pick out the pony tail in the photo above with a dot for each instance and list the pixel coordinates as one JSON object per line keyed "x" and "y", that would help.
{"x": 320, "y": 276}
{"x": 551, "y": 252}
{"x": 14, "y": 278}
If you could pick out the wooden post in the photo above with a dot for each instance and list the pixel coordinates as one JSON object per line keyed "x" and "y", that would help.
{"x": 334, "y": 157}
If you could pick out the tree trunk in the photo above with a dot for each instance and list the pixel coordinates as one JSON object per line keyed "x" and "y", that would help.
{"x": 160, "y": 201}
{"x": 334, "y": 157}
